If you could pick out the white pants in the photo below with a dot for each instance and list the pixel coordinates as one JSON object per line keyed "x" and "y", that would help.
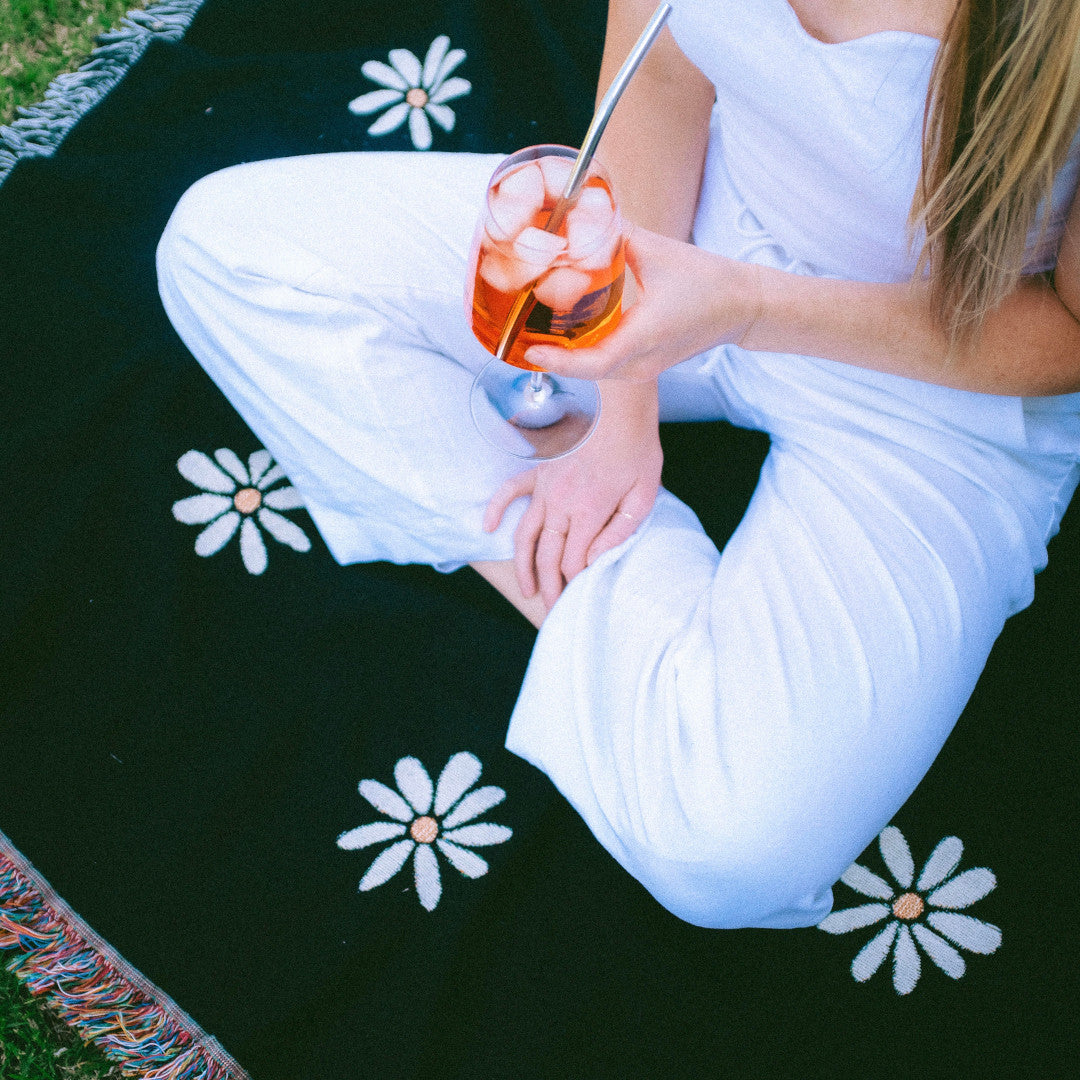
{"x": 734, "y": 727}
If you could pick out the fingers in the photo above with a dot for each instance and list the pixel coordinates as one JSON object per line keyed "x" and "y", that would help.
{"x": 620, "y": 527}
{"x": 514, "y": 488}
{"x": 575, "y": 553}
{"x": 526, "y": 538}
{"x": 549, "y": 556}
{"x": 612, "y": 358}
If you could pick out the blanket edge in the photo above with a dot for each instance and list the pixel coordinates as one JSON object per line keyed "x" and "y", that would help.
{"x": 93, "y": 989}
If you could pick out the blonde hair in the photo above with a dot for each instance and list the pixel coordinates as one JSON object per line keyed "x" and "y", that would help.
{"x": 1003, "y": 107}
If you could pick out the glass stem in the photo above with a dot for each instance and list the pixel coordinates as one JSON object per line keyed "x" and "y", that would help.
{"x": 536, "y": 382}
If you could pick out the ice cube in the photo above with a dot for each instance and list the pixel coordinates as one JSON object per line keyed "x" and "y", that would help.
{"x": 556, "y": 172}
{"x": 538, "y": 248}
{"x": 517, "y": 199}
{"x": 505, "y": 275}
{"x": 591, "y": 243}
{"x": 527, "y": 182}
{"x": 595, "y": 198}
{"x": 511, "y": 214}
{"x": 562, "y": 288}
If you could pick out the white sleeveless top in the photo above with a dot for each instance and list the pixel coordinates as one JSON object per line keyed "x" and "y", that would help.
{"x": 823, "y": 141}
{"x": 813, "y": 159}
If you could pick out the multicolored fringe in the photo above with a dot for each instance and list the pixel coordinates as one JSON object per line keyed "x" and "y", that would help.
{"x": 94, "y": 990}
{"x": 41, "y": 128}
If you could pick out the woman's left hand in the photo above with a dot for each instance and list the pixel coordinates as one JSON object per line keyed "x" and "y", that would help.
{"x": 588, "y": 502}
{"x": 690, "y": 300}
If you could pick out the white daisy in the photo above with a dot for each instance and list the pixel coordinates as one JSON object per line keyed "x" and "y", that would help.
{"x": 429, "y": 816}
{"x": 413, "y": 91}
{"x": 912, "y": 910}
{"x": 236, "y": 496}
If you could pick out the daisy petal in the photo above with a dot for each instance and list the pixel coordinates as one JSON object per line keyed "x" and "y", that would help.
{"x": 871, "y": 956}
{"x": 386, "y": 865}
{"x": 897, "y": 856}
{"x": 276, "y": 473}
{"x": 473, "y": 805}
{"x": 373, "y": 101}
{"x": 232, "y": 464}
{"x": 216, "y": 535}
{"x": 866, "y": 882}
{"x": 452, "y": 88}
{"x": 199, "y": 509}
{"x": 458, "y": 775}
{"x": 480, "y": 835}
{"x": 450, "y": 61}
{"x": 467, "y": 862}
{"x": 414, "y": 783}
{"x": 284, "y": 498}
{"x": 384, "y": 75}
{"x": 972, "y": 934}
{"x": 907, "y": 967}
{"x": 386, "y": 800}
{"x": 202, "y": 472}
{"x": 427, "y": 876}
{"x": 283, "y": 530}
{"x": 258, "y": 463}
{"x": 407, "y": 64}
{"x": 840, "y": 922}
{"x": 419, "y": 129}
{"x": 365, "y": 835}
{"x": 390, "y": 120}
{"x": 433, "y": 61}
{"x": 940, "y": 951}
{"x": 964, "y": 889}
{"x": 943, "y": 860}
{"x": 252, "y": 547}
{"x": 443, "y": 115}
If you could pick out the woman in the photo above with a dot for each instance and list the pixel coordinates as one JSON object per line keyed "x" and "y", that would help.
{"x": 734, "y": 727}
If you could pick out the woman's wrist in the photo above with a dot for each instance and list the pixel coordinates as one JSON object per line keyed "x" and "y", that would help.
{"x": 749, "y": 298}
{"x": 634, "y": 401}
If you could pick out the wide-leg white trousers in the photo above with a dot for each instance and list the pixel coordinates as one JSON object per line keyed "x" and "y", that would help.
{"x": 733, "y": 726}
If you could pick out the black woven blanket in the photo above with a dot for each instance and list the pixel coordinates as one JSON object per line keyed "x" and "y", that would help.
{"x": 223, "y": 757}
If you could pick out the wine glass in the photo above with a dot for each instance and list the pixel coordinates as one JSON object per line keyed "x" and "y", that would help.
{"x": 544, "y": 269}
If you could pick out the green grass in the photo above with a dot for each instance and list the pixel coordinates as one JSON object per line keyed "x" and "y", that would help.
{"x": 36, "y": 1046}
{"x": 41, "y": 38}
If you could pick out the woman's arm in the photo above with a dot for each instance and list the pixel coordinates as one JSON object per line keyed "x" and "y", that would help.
{"x": 654, "y": 145}
{"x": 1029, "y": 345}
{"x": 654, "y": 150}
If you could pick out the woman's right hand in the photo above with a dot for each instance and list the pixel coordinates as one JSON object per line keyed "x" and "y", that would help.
{"x": 691, "y": 300}
{"x": 588, "y": 502}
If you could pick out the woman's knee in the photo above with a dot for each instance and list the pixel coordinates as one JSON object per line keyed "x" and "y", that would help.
{"x": 755, "y": 876}
{"x": 196, "y": 222}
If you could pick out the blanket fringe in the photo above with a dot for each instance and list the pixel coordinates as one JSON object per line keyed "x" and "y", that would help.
{"x": 102, "y": 1004}
{"x": 41, "y": 128}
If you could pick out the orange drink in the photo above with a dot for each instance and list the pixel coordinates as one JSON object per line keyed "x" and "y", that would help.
{"x": 574, "y": 272}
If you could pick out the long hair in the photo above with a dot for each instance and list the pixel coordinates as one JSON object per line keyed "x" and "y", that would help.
{"x": 1003, "y": 106}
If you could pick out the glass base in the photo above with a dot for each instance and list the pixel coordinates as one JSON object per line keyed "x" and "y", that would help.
{"x": 533, "y": 415}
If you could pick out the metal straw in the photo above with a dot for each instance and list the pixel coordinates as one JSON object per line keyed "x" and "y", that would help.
{"x": 526, "y": 300}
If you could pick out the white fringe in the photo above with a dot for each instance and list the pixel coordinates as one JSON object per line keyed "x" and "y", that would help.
{"x": 41, "y": 128}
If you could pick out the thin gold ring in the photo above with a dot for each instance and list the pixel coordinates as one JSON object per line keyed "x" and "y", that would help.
{"x": 544, "y": 528}
{"x": 623, "y": 513}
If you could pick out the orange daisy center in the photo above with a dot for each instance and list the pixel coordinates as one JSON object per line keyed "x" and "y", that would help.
{"x": 424, "y": 830}
{"x": 909, "y": 906}
{"x": 417, "y": 97}
{"x": 247, "y": 500}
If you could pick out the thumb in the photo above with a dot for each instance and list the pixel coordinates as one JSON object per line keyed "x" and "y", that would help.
{"x": 607, "y": 359}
